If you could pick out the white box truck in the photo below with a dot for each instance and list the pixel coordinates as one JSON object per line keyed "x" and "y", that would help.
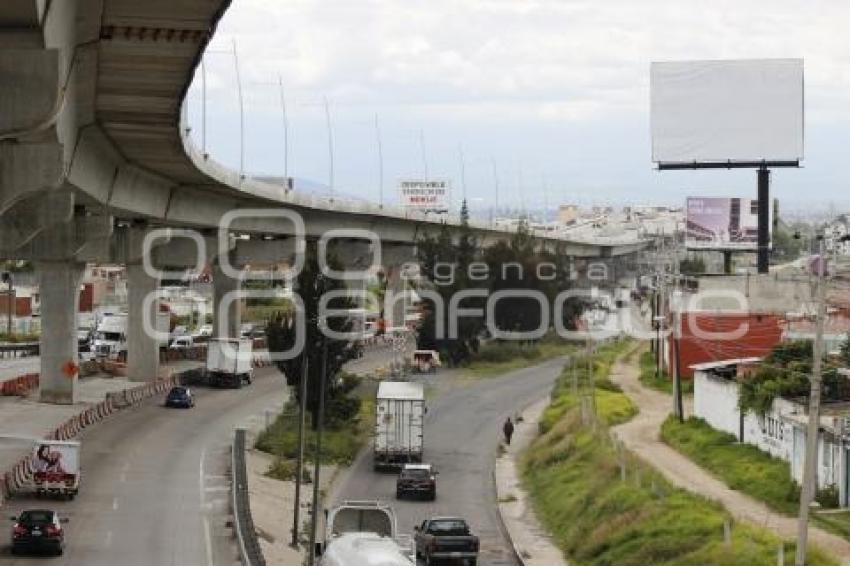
{"x": 111, "y": 336}
{"x": 56, "y": 467}
{"x": 399, "y": 424}
{"x": 230, "y": 362}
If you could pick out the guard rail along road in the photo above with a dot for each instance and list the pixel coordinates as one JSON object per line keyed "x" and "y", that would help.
{"x": 246, "y": 536}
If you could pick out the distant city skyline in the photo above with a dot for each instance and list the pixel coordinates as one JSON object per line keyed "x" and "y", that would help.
{"x": 554, "y": 93}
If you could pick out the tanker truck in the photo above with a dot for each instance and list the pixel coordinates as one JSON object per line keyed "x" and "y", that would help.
{"x": 363, "y": 533}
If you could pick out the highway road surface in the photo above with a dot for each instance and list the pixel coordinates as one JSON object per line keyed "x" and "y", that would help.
{"x": 462, "y": 433}
{"x": 156, "y": 483}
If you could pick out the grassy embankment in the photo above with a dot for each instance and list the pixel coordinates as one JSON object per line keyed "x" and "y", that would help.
{"x": 499, "y": 356}
{"x": 745, "y": 468}
{"x": 661, "y": 382}
{"x": 573, "y": 474}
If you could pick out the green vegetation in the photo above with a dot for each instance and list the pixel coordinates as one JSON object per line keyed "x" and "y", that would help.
{"x": 662, "y": 382}
{"x": 19, "y": 338}
{"x": 745, "y": 468}
{"x": 341, "y": 440}
{"x": 740, "y": 466}
{"x": 456, "y": 263}
{"x": 498, "y": 356}
{"x": 324, "y": 356}
{"x": 785, "y": 373}
{"x": 693, "y": 265}
{"x": 612, "y": 405}
{"x": 261, "y": 314}
{"x": 573, "y": 475}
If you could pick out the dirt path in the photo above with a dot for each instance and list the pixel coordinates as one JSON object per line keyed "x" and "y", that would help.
{"x": 641, "y": 435}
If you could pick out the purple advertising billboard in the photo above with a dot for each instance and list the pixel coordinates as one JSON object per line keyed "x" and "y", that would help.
{"x": 717, "y": 223}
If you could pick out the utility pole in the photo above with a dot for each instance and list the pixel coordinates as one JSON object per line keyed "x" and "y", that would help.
{"x": 299, "y": 473}
{"x": 810, "y": 466}
{"x": 678, "y": 406}
{"x": 318, "y": 456}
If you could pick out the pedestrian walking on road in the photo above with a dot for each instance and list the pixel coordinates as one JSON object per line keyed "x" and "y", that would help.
{"x": 508, "y": 429}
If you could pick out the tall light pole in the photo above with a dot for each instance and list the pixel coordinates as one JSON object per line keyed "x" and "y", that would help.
{"x": 241, "y": 113}
{"x": 330, "y": 147}
{"x": 204, "y": 108}
{"x": 810, "y": 465}
{"x": 495, "y": 187}
{"x": 424, "y": 154}
{"x": 380, "y": 161}
{"x": 462, "y": 172}
{"x": 285, "y": 132}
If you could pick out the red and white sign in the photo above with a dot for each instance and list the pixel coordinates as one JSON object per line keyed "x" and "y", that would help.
{"x": 427, "y": 195}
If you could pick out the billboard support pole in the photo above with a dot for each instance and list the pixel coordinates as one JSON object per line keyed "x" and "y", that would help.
{"x": 727, "y": 262}
{"x": 764, "y": 219}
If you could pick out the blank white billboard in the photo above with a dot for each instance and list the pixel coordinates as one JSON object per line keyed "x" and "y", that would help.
{"x": 719, "y": 111}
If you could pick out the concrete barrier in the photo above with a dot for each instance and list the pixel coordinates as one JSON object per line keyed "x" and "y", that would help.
{"x": 19, "y": 476}
{"x": 20, "y": 385}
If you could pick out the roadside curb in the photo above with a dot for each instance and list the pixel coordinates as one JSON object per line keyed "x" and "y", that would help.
{"x": 519, "y": 526}
{"x": 21, "y": 474}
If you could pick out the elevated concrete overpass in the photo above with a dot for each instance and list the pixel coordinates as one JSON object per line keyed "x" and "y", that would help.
{"x": 95, "y": 152}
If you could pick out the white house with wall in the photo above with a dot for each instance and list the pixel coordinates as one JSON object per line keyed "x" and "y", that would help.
{"x": 781, "y": 432}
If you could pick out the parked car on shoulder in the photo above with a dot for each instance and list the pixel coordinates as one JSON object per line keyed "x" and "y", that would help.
{"x": 180, "y": 397}
{"x": 417, "y": 479}
{"x": 181, "y": 343}
{"x": 445, "y": 538}
{"x": 38, "y": 530}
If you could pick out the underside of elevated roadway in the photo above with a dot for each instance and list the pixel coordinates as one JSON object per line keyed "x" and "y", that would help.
{"x": 91, "y": 106}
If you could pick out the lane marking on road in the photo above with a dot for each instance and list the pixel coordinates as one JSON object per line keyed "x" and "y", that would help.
{"x": 219, "y": 488}
{"x": 201, "y": 502}
{"x": 115, "y": 504}
{"x": 108, "y": 541}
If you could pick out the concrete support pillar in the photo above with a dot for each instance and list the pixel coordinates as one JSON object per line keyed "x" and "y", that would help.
{"x": 60, "y": 288}
{"x": 395, "y": 306}
{"x": 227, "y": 317}
{"x": 142, "y": 345}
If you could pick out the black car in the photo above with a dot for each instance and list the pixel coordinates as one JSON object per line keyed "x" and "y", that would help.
{"x": 417, "y": 479}
{"x": 180, "y": 397}
{"x": 38, "y": 530}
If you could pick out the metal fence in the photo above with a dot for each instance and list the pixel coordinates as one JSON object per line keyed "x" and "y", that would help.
{"x": 250, "y": 552}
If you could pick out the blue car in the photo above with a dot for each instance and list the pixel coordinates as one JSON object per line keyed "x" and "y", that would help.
{"x": 180, "y": 397}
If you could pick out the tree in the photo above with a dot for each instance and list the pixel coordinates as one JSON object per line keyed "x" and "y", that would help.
{"x": 436, "y": 256}
{"x": 845, "y": 350}
{"x": 282, "y": 333}
{"x": 693, "y": 265}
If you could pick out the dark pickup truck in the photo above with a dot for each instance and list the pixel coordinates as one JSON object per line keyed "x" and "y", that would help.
{"x": 446, "y": 539}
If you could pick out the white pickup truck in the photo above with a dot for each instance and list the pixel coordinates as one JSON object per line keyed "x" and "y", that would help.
{"x": 364, "y": 533}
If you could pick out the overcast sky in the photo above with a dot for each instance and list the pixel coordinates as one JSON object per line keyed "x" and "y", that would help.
{"x": 555, "y": 93}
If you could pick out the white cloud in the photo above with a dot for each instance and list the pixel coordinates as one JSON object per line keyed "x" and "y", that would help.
{"x": 455, "y": 65}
